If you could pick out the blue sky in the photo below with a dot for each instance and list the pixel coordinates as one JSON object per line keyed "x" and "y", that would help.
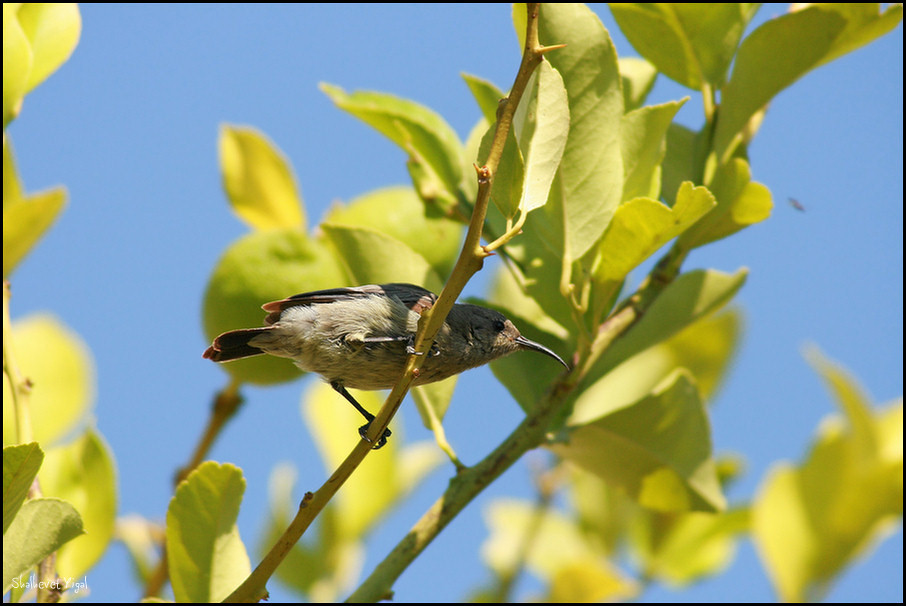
{"x": 129, "y": 125}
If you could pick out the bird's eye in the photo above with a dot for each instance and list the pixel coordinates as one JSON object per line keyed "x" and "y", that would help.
{"x": 499, "y": 326}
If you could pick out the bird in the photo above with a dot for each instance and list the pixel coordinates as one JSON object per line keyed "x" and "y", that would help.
{"x": 359, "y": 337}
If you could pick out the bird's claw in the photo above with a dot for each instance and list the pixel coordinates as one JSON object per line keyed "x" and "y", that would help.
{"x": 363, "y": 431}
{"x": 410, "y": 349}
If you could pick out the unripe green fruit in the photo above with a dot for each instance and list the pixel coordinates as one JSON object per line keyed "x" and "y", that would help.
{"x": 261, "y": 267}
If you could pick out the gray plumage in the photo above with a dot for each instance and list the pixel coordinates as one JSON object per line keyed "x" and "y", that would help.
{"x": 360, "y": 337}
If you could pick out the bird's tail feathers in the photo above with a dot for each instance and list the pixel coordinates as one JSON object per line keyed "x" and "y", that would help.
{"x": 234, "y": 345}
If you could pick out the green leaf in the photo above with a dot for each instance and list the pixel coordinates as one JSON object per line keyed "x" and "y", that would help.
{"x": 658, "y": 450}
{"x": 431, "y": 144}
{"x": 486, "y": 95}
{"x": 689, "y": 43}
{"x": 864, "y": 23}
{"x": 82, "y": 473}
{"x": 679, "y": 161}
{"x": 812, "y": 520}
{"x": 741, "y": 202}
{"x": 691, "y": 296}
{"x": 706, "y": 348}
{"x": 372, "y": 257}
{"x": 20, "y": 466}
{"x": 60, "y": 367}
{"x": 398, "y": 212}
{"x": 771, "y": 58}
{"x": 41, "y": 527}
{"x": 509, "y": 180}
{"x": 637, "y": 76}
{"x": 591, "y": 171}
{"x": 643, "y": 135}
{"x": 258, "y": 180}
{"x": 433, "y": 399}
{"x": 260, "y": 267}
{"x": 541, "y": 124}
{"x": 206, "y": 556}
{"x": 53, "y": 29}
{"x": 703, "y": 349}
{"x": 641, "y": 226}
{"x": 380, "y": 481}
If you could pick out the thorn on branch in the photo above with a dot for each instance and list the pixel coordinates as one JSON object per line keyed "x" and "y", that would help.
{"x": 546, "y": 49}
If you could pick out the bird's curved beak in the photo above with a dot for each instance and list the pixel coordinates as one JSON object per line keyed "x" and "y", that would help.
{"x": 529, "y": 344}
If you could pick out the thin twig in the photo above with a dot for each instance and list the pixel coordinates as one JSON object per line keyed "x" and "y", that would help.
{"x": 226, "y": 404}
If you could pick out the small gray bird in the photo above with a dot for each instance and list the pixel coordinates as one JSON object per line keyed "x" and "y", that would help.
{"x": 359, "y": 337}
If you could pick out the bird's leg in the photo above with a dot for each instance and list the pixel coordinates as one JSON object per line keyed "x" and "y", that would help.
{"x": 363, "y": 430}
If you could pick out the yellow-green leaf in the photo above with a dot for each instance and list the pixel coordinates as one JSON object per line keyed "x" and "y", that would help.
{"x": 486, "y": 95}
{"x": 20, "y": 466}
{"x": 435, "y": 151}
{"x": 53, "y": 29}
{"x": 704, "y": 349}
{"x": 41, "y": 527}
{"x": 690, "y": 43}
{"x": 691, "y": 296}
{"x": 658, "y": 450}
{"x": 381, "y": 480}
{"x": 812, "y": 520}
{"x": 258, "y": 180}
{"x": 83, "y": 473}
{"x": 206, "y": 556}
{"x": 25, "y": 218}
{"x": 591, "y": 171}
{"x": 553, "y": 547}
{"x": 140, "y": 538}
{"x": 541, "y": 126}
{"x": 638, "y": 78}
{"x": 643, "y": 134}
{"x": 373, "y": 257}
{"x": 61, "y": 370}
{"x": 590, "y": 581}
{"x": 741, "y": 202}
{"x": 684, "y": 548}
{"x": 771, "y": 58}
{"x": 400, "y": 213}
{"x": 641, "y": 226}
{"x": 509, "y": 180}
{"x": 325, "y": 564}
{"x": 433, "y": 399}
{"x": 864, "y": 23}
{"x": 17, "y": 62}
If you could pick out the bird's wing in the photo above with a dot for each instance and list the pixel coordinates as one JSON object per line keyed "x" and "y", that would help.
{"x": 414, "y": 297}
